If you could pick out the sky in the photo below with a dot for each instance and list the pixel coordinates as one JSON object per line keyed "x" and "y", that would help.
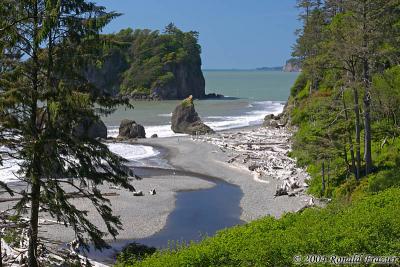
{"x": 234, "y": 34}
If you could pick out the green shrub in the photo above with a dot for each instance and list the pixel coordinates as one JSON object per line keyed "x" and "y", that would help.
{"x": 187, "y": 102}
{"x": 384, "y": 179}
{"x": 133, "y": 253}
{"x": 368, "y": 226}
{"x": 299, "y": 84}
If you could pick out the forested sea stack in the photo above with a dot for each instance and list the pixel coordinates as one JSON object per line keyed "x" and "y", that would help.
{"x": 145, "y": 64}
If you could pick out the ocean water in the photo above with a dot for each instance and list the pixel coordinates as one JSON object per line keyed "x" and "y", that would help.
{"x": 249, "y": 96}
{"x": 137, "y": 155}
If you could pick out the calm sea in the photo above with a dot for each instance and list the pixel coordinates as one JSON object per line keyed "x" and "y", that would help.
{"x": 250, "y": 95}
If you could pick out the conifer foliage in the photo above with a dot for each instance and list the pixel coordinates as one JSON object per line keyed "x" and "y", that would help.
{"x": 44, "y": 46}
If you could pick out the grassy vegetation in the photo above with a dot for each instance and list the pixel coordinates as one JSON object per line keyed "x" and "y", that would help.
{"x": 187, "y": 102}
{"x": 369, "y": 226}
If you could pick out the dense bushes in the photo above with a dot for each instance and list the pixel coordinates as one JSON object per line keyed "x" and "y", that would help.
{"x": 299, "y": 85}
{"x": 368, "y": 226}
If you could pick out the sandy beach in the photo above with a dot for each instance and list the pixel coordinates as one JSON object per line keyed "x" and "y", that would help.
{"x": 202, "y": 157}
{"x": 194, "y": 165}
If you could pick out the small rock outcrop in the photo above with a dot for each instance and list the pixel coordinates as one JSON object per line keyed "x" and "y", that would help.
{"x": 91, "y": 128}
{"x": 271, "y": 121}
{"x": 130, "y": 129}
{"x": 186, "y": 120}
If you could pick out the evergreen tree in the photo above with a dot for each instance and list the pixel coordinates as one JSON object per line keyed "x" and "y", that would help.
{"x": 45, "y": 45}
{"x": 355, "y": 39}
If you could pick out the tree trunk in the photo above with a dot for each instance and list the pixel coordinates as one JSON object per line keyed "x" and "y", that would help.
{"x": 350, "y": 139}
{"x": 367, "y": 135}
{"x": 358, "y": 133}
{"x": 367, "y": 103}
{"x": 1, "y": 250}
{"x": 346, "y": 160}
{"x": 323, "y": 179}
{"x": 33, "y": 223}
{"x": 34, "y": 170}
{"x": 328, "y": 174}
{"x": 367, "y": 120}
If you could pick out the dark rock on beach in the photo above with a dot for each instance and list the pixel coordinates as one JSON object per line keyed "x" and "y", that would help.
{"x": 271, "y": 121}
{"x": 130, "y": 129}
{"x": 277, "y": 121}
{"x": 91, "y": 128}
{"x": 186, "y": 120}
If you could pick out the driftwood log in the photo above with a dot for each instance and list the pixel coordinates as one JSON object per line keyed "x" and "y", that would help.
{"x": 264, "y": 151}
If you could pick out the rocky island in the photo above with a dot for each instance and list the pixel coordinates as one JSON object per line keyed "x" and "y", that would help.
{"x": 149, "y": 65}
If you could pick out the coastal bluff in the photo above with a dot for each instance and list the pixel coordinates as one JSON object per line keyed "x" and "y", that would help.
{"x": 188, "y": 81}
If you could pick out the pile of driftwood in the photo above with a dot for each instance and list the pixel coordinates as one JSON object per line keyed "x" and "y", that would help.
{"x": 264, "y": 151}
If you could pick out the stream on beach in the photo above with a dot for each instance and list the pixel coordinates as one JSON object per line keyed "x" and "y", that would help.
{"x": 197, "y": 213}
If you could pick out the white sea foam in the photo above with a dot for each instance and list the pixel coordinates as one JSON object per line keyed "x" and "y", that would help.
{"x": 168, "y": 115}
{"x": 160, "y": 130}
{"x": 250, "y": 118}
{"x": 218, "y": 123}
{"x": 8, "y": 172}
{"x": 9, "y": 168}
{"x": 112, "y": 131}
{"x": 133, "y": 152}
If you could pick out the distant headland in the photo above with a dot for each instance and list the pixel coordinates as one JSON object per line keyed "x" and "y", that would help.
{"x": 291, "y": 65}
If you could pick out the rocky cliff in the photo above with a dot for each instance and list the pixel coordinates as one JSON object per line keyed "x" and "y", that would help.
{"x": 188, "y": 80}
{"x": 292, "y": 65}
{"x": 107, "y": 77}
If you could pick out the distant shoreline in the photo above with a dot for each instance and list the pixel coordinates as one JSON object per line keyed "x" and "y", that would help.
{"x": 257, "y": 69}
{"x": 267, "y": 69}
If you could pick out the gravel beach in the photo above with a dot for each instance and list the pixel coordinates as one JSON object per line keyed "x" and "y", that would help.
{"x": 146, "y": 215}
{"x": 202, "y": 157}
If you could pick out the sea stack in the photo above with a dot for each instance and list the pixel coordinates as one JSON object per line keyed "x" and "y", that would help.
{"x": 130, "y": 129}
{"x": 186, "y": 120}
